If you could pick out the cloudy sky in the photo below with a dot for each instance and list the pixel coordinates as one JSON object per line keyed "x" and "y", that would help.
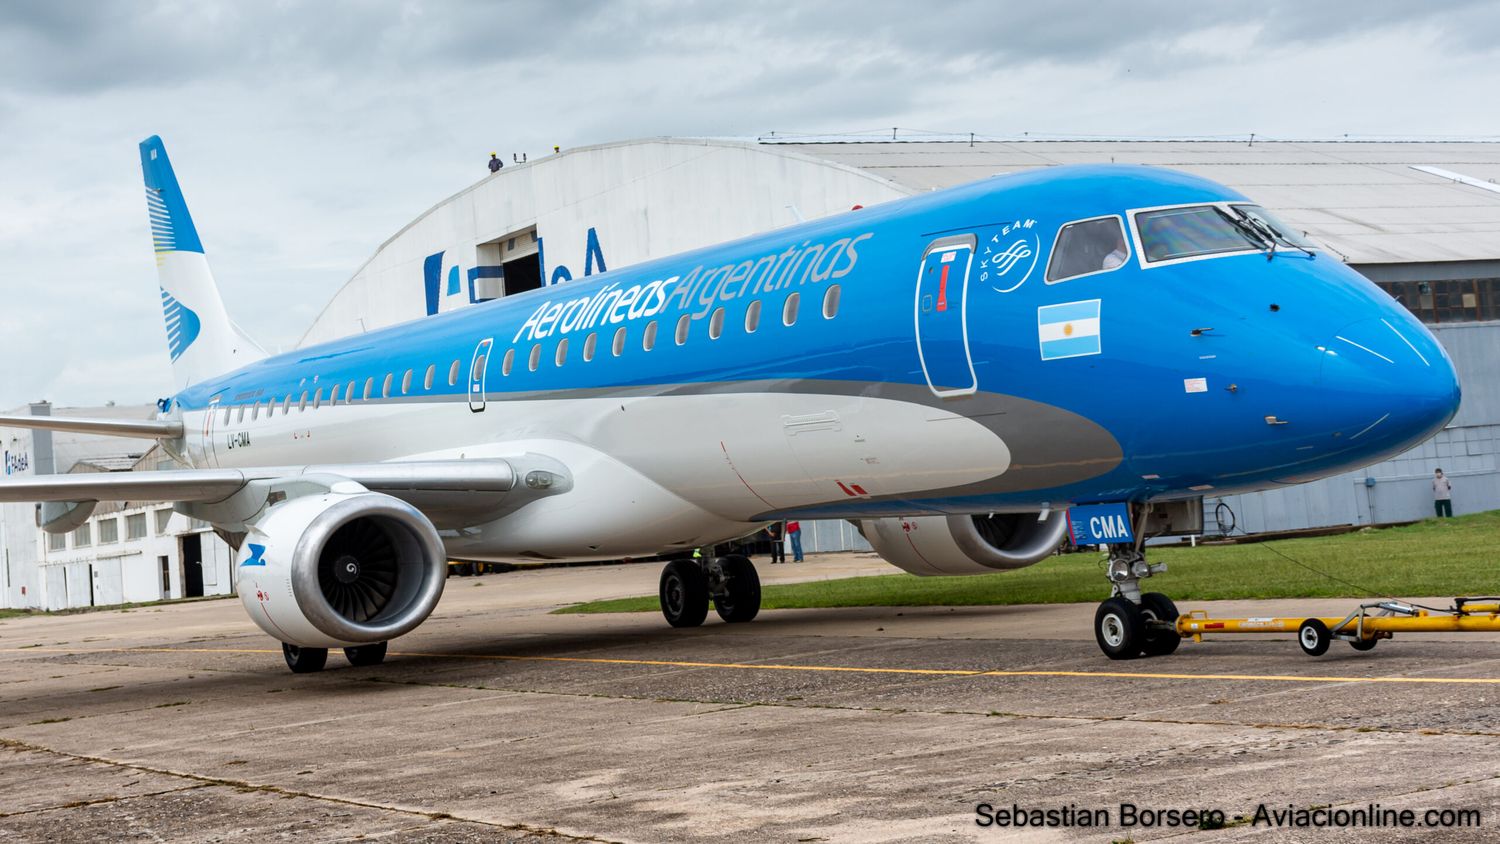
{"x": 305, "y": 133}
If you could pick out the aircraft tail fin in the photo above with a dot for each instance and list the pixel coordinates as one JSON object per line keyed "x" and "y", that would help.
{"x": 200, "y": 337}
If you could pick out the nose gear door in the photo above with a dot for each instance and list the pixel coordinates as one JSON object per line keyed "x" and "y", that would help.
{"x": 941, "y": 316}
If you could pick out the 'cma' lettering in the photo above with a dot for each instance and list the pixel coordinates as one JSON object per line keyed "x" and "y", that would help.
{"x": 1109, "y": 527}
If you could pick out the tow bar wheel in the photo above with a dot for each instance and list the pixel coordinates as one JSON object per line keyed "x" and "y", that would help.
{"x": 1314, "y": 637}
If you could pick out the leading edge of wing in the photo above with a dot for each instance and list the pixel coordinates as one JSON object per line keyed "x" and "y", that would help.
{"x": 142, "y": 428}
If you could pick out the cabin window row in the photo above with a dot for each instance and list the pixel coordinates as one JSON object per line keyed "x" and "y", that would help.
{"x": 355, "y": 390}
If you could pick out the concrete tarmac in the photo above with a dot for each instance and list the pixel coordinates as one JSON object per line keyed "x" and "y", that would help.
{"x": 497, "y": 721}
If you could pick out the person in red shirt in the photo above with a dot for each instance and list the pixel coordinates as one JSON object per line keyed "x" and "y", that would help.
{"x": 794, "y": 532}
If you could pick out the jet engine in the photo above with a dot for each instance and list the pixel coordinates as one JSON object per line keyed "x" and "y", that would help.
{"x": 340, "y": 569}
{"x": 978, "y": 544}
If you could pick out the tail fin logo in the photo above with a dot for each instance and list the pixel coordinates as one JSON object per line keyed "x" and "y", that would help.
{"x": 183, "y": 325}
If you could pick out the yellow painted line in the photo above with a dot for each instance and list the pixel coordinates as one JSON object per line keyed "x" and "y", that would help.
{"x": 847, "y": 669}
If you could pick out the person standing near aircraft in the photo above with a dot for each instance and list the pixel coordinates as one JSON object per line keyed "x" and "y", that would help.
{"x": 794, "y": 532}
{"x": 495, "y": 163}
{"x": 775, "y": 533}
{"x": 1442, "y": 495}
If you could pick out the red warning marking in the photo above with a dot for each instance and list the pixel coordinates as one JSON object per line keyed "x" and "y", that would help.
{"x": 846, "y": 490}
{"x": 1214, "y": 625}
{"x": 942, "y": 302}
{"x": 859, "y": 489}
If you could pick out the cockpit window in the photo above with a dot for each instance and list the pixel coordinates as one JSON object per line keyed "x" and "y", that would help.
{"x": 1087, "y": 247}
{"x": 1271, "y": 224}
{"x": 1173, "y": 233}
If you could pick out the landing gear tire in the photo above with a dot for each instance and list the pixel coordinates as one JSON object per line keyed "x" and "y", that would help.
{"x": 1363, "y": 644}
{"x": 739, "y": 599}
{"x": 1314, "y": 637}
{"x": 1157, "y": 607}
{"x": 1120, "y": 628}
{"x": 361, "y": 656}
{"x": 304, "y": 660}
{"x": 684, "y": 593}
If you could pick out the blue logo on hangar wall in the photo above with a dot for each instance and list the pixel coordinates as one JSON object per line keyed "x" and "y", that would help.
{"x": 1100, "y": 524}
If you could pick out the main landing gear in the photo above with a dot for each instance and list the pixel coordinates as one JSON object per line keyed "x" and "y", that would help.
{"x": 307, "y": 660}
{"x": 1133, "y": 623}
{"x": 688, "y": 585}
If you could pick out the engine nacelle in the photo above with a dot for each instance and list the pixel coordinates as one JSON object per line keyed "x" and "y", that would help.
{"x": 930, "y": 545}
{"x": 339, "y": 569}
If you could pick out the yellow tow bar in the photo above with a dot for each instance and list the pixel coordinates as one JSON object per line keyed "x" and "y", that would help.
{"x": 1361, "y": 628}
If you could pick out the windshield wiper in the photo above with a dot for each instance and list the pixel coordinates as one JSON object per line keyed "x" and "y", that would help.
{"x": 1271, "y": 233}
{"x": 1251, "y": 233}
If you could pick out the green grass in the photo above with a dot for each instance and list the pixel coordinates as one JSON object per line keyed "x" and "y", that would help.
{"x": 1432, "y": 558}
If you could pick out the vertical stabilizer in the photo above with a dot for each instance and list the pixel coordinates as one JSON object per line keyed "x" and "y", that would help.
{"x": 201, "y": 339}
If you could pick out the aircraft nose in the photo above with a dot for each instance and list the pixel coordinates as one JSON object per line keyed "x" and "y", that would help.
{"x": 1388, "y": 383}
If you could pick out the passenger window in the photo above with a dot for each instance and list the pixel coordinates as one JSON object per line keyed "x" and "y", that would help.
{"x": 453, "y": 374}
{"x": 831, "y": 302}
{"x": 406, "y": 383}
{"x": 349, "y": 393}
{"x": 789, "y": 310}
{"x": 648, "y": 342}
{"x": 254, "y": 411}
{"x": 684, "y": 322}
{"x": 302, "y": 402}
{"x": 333, "y": 399}
{"x": 369, "y": 387}
{"x": 429, "y": 377}
{"x": 590, "y": 344}
{"x": 508, "y": 361}
{"x": 562, "y": 351}
{"x": 618, "y": 346}
{"x": 1088, "y": 247}
{"x": 752, "y": 317}
{"x": 385, "y": 387}
{"x": 227, "y": 414}
{"x": 241, "y": 416}
{"x": 536, "y": 357}
{"x": 318, "y": 398}
{"x": 716, "y": 324}
{"x": 286, "y": 404}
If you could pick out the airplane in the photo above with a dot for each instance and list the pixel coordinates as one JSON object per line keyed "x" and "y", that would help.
{"x": 968, "y": 375}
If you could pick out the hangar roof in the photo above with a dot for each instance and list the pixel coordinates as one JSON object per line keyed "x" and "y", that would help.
{"x": 1362, "y": 198}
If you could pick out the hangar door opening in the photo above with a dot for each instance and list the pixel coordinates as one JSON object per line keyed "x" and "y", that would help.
{"x": 507, "y": 265}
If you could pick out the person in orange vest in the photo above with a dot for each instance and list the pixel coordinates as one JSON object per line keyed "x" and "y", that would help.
{"x": 794, "y": 533}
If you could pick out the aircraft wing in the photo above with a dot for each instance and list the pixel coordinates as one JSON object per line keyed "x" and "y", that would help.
{"x": 453, "y": 493}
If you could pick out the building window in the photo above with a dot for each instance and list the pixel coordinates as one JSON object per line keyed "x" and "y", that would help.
{"x": 109, "y": 531}
{"x": 789, "y": 310}
{"x": 684, "y": 322}
{"x": 618, "y": 345}
{"x": 535, "y": 359}
{"x": 1451, "y": 300}
{"x": 752, "y": 317}
{"x": 453, "y": 373}
{"x": 590, "y": 344}
{"x": 831, "y": 302}
{"x": 648, "y": 341}
{"x": 163, "y": 521}
{"x": 57, "y": 542}
{"x": 135, "y": 526}
{"x": 562, "y": 351}
{"x": 716, "y": 324}
{"x": 508, "y": 362}
{"x": 83, "y": 536}
{"x": 166, "y": 576}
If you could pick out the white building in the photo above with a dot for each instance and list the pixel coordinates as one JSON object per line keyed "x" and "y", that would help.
{"x": 126, "y": 552}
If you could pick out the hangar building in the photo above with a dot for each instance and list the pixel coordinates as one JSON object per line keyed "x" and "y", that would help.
{"x": 1422, "y": 219}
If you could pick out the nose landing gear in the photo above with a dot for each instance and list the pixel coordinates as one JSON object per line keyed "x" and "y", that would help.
{"x": 1133, "y": 623}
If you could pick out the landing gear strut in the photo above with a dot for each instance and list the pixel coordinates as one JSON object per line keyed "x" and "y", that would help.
{"x": 687, "y": 586}
{"x": 1133, "y": 623}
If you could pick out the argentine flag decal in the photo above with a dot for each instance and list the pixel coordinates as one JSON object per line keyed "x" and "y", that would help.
{"x": 1068, "y": 330}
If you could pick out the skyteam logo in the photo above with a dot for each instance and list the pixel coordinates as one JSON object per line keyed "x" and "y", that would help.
{"x": 1009, "y": 256}
{"x": 183, "y": 324}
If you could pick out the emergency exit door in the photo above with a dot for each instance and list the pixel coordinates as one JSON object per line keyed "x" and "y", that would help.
{"x": 476, "y": 374}
{"x": 942, "y": 319}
